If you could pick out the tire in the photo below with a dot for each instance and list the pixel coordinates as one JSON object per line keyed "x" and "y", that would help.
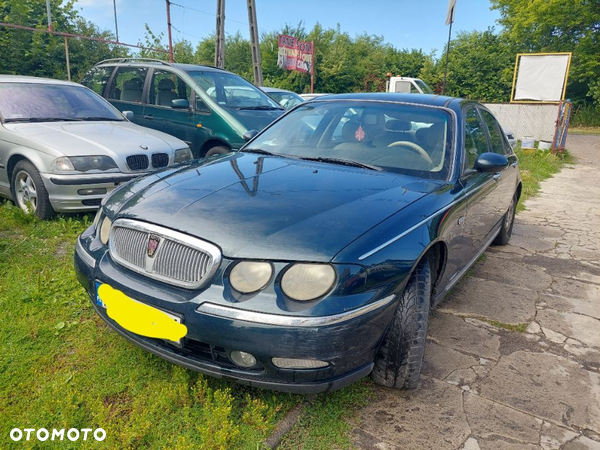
{"x": 29, "y": 191}
{"x": 508, "y": 222}
{"x": 400, "y": 357}
{"x": 218, "y": 150}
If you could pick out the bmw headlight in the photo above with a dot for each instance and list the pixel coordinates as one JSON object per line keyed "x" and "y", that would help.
{"x": 308, "y": 281}
{"x": 250, "y": 276}
{"x": 183, "y": 154}
{"x": 84, "y": 163}
{"x": 105, "y": 230}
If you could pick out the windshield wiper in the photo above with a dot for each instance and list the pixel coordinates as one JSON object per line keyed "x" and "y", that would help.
{"x": 43, "y": 119}
{"x": 110, "y": 119}
{"x": 343, "y": 162}
{"x": 262, "y": 107}
{"x": 259, "y": 151}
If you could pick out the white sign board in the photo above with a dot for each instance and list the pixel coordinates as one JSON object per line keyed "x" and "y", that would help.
{"x": 541, "y": 77}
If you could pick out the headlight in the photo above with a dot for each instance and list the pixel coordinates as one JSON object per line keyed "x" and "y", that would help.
{"x": 308, "y": 281}
{"x": 105, "y": 230}
{"x": 183, "y": 154}
{"x": 250, "y": 276}
{"x": 84, "y": 163}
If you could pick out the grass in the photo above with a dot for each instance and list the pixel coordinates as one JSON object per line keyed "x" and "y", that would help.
{"x": 536, "y": 166}
{"x": 62, "y": 367}
{"x": 584, "y": 130}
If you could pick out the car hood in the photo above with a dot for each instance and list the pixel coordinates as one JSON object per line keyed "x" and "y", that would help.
{"x": 94, "y": 138}
{"x": 260, "y": 207}
{"x": 254, "y": 119}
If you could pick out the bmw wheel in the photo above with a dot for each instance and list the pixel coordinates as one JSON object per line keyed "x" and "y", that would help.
{"x": 29, "y": 191}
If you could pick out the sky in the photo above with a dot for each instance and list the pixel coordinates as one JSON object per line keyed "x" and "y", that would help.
{"x": 408, "y": 24}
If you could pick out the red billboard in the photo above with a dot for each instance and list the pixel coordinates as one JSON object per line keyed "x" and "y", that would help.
{"x": 294, "y": 54}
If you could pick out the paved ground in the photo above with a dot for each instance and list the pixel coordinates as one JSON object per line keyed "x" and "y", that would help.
{"x": 487, "y": 388}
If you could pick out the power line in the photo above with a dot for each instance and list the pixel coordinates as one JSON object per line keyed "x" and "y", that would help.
{"x": 214, "y": 15}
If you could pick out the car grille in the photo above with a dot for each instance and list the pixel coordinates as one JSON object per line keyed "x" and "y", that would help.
{"x": 160, "y": 160}
{"x": 137, "y": 162}
{"x": 178, "y": 259}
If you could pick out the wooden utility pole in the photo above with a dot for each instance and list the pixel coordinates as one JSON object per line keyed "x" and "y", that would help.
{"x": 169, "y": 30}
{"x": 220, "y": 40}
{"x": 49, "y": 15}
{"x": 254, "y": 43}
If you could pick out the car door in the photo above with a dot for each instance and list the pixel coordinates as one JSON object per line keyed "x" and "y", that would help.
{"x": 507, "y": 179}
{"x": 482, "y": 188}
{"x": 126, "y": 91}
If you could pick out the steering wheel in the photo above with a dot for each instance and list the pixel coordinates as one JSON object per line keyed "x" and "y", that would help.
{"x": 414, "y": 147}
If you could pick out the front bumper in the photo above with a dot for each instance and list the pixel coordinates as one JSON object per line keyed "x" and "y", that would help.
{"x": 349, "y": 344}
{"x": 63, "y": 190}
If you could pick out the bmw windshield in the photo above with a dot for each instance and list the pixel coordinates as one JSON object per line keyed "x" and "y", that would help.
{"x": 394, "y": 137}
{"x": 232, "y": 91}
{"x": 40, "y": 102}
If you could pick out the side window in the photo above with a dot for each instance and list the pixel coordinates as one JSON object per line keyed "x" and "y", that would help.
{"x": 201, "y": 107}
{"x": 97, "y": 78}
{"x": 475, "y": 140}
{"x": 413, "y": 89}
{"x": 496, "y": 137}
{"x": 128, "y": 84}
{"x": 350, "y": 114}
{"x": 402, "y": 86}
{"x": 166, "y": 87}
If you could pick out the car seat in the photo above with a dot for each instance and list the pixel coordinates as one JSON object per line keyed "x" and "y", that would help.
{"x": 132, "y": 90}
{"x": 166, "y": 92}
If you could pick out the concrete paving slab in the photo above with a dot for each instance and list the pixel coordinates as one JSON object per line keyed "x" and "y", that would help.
{"x": 442, "y": 361}
{"x": 582, "y": 328}
{"x": 430, "y": 417}
{"x": 453, "y": 332}
{"x": 492, "y": 300}
{"x": 547, "y": 386}
{"x": 588, "y": 307}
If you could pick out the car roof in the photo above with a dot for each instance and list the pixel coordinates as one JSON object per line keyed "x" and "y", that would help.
{"x": 422, "y": 99}
{"x": 158, "y": 63}
{"x": 34, "y": 80}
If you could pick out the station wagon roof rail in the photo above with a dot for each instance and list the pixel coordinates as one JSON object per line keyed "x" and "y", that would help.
{"x": 147, "y": 60}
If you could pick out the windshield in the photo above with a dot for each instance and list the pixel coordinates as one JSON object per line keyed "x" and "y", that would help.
{"x": 426, "y": 89}
{"x": 30, "y": 102}
{"x": 286, "y": 99}
{"x": 232, "y": 91}
{"x": 409, "y": 139}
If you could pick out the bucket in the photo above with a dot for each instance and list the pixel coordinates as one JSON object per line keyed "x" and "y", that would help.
{"x": 527, "y": 142}
{"x": 544, "y": 145}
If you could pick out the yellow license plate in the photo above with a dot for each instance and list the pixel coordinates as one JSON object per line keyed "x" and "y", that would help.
{"x": 140, "y": 318}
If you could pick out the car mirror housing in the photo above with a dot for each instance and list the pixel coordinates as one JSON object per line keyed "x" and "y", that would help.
{"x": 249, "y": 135}
{"x": 180, "y": 103}
{"x": 490, "y": 162}
{"x": 128, "y": 115}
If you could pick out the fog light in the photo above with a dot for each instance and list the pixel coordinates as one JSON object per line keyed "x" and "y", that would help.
{"x": 92, "y": 191}
{"x": 242, "y": 359}
{"x": 289, "y": 363}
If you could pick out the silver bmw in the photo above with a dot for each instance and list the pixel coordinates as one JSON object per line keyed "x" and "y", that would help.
{"x": 63, "y": 147}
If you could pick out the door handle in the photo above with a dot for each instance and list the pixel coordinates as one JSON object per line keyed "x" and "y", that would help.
{"x": 497, "y": 176}
{"x": 149, "y": 117}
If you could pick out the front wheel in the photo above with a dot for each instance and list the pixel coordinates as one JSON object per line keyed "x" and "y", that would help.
{"x": 400, "y": 357}
{"x": 29, "y": 191}
{"x": 218, "y": 150}
{"x": 508, "y": 222}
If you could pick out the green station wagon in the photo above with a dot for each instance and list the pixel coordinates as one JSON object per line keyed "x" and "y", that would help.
{"x": 208, "y": 108}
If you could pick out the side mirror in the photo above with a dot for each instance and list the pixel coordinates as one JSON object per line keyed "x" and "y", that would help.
{"x": 249, "y": 135}
{"x": 128, "y": 115}
{"x": 490, "y": 162}
{"x": 180, "y": 103}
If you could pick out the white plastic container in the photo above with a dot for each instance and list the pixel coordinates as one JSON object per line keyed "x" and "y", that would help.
{"x": 527, "y": 142}
{"x": 545, "y": 145}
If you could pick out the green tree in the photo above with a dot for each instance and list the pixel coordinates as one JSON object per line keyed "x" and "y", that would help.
{"x": 480, "y": 67}
{"x": 558, "y": 26}
{"x": 41, "y": 54}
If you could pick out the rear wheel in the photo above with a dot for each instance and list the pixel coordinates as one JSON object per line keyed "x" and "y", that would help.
{"x": 400, "y": 357}
{"x": 507, "y": 224}
{"x": 29, "y": 191}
